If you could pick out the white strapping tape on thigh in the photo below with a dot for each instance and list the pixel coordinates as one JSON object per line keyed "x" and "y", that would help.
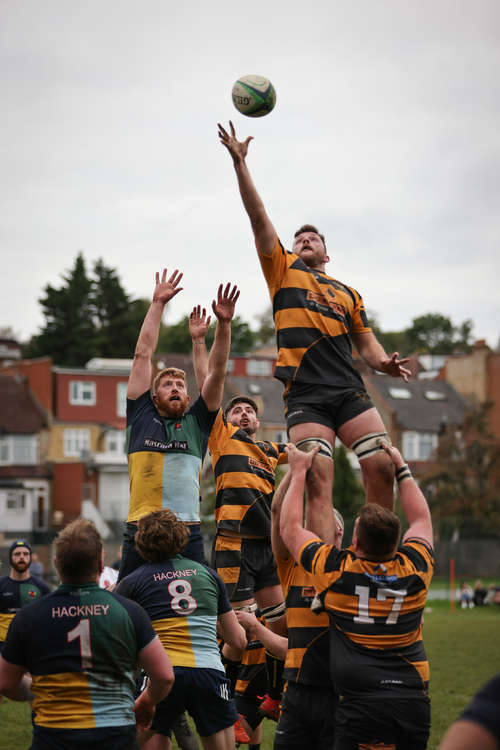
{"x": 274, "y": 612}
{"x": 370, "y": 444}
{"x": 325, "y": 448}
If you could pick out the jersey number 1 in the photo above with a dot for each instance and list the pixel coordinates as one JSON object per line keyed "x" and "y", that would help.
{"x": 82, "y": 631}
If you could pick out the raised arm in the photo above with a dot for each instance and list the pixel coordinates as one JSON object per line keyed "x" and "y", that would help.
{"x": 375, "y": 356}
{"x": 263, "y": 230}
{"x": 293, "y": 533}
{"x": 198, "y": 328}
{"x": 413, "y": 502}
{"x": 223, "y": 308}
{"x": 140, "y": 375}
{"x": 279, "y": 547}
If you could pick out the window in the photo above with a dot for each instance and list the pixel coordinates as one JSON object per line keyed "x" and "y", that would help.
{"x": 419, "y": 446}
{"x": 19, "y": 449}
{"x": 280, "y": 436}
{"x": 435, "y": 395}
{"x": 121, "y": 399}
{"x": 230, "y": 365}
{"x": 259, "y": 367}
{"x": 82, "y": 392}
{"x": 76, "y": 442}
{"x": 399, "y": 393}
{"x": 115, "y": 442}
{"x": 15, "y": 500}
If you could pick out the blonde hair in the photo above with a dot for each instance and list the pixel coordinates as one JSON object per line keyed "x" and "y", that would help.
{"x": 173, "y": 372}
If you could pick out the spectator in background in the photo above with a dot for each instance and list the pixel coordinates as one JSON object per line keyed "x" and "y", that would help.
{"x": 466, "y": 596}
{"x": 479, "y": 594}
{"x": 37, "y": 568}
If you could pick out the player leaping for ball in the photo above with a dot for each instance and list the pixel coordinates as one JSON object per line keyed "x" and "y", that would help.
{"x": 317, "y": 318}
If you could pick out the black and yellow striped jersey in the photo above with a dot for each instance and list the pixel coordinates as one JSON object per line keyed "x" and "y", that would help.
{"x": 252, "y": 675}
{"x": 81, "y": 645}
{"x": 376, "y": 612}
{"x": 244, "y": 473}
{"x": 308, "y": 633}
{"x": 314, "y": 317}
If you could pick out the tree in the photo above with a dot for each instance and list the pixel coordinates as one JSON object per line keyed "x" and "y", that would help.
{"x": 434, "y": 333}
{"x": 462, "y": 485}
{"x": 265, "y": 335}
{"x": 87, "y": 316}
{"x": 69, "y": 333}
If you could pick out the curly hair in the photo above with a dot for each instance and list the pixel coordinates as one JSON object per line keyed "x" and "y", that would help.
{"x": 160, "y": 535}
{"x": 78, "y": 552}
{"x": 378, "y": 531}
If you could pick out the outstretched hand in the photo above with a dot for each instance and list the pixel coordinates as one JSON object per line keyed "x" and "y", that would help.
{"x": 393, "y": 453}
{"x": 394, "y": 367}
{"x": 223, "y": 306}
{"x": 199, "y": 323}
{"x": 237, "y": 149}
{"x": 299, "y": 460}
{"x": 165, "y": 290}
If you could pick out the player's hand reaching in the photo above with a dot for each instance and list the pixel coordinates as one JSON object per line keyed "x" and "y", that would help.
{"x": 165, "y": 290}
{"x": 249, "y": 622}
{"x": 299, "y": 460}
{"x": 237, "y": 149}
{"x": 199, "y": 323}
{"x": 223, "y": 306}
{"x": 394, "y": 367}
{"x": 393, "y": 453}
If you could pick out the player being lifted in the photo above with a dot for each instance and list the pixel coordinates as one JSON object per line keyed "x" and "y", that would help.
{"x": 317, "y": 318}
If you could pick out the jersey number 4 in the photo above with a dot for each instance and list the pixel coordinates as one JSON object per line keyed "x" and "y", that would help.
{"x": 363, "y": 594}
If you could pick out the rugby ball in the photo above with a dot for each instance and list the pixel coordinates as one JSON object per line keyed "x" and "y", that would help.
{"x": 254, "y": 96}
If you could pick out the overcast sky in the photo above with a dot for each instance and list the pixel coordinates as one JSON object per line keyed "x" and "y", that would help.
{"x": 386, "y": 134}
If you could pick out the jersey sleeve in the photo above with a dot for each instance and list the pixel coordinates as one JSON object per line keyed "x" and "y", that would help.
{"x": 282, "y": 453}
{"x": 203, "y": 415}
{"x": 359, "y": 318}
{"x": 274, "y": 266}
{"x": 322, "y": 560}
{"x": 483, "y": 709}
{"x": 138, "y": 405}
{"x": 220, "y": 432}
{"x": 14, "y": 650}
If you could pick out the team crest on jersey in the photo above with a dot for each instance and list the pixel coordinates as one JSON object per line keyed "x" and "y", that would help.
{"x": 32, "y": 593}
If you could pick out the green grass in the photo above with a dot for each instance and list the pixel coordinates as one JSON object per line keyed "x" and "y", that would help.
{"x": 463, "y": 650}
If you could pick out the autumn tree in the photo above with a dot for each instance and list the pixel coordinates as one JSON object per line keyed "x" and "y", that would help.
{"x": 462, "y": 485}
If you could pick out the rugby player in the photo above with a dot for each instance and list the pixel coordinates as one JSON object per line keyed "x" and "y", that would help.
{"x": 166, "y": 440}
{"x": 317, "y": 318}
{"x": 19, "y": 588}
{"x": 187, "y": 604}
{"x": 81, "y": 645}
{"x": 374, "y": 593}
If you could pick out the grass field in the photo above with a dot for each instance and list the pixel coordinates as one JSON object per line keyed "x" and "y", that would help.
{"x": 463, "y": 650}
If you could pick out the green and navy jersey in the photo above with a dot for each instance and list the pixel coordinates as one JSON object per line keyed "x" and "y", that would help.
{"x": 376, "y": 615}
{"x": 315, "y": 317}
{"x": 183, "y": 598}
{"x": 14, "y": 595}
{"x": 307, "y": 656}
{"x": 165, "y": 457}
{"x": 80, "y": 644}
{"x": 244, "y": 472}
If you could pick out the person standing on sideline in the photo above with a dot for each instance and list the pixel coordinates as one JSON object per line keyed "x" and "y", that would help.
{"x": 20, "y": 587}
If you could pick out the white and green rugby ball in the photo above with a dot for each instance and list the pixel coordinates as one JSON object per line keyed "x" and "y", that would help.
{"x": 254, "y": 96}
